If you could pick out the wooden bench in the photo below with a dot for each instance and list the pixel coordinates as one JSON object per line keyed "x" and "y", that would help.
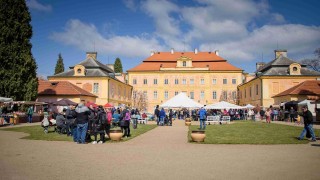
{"x": 225, "y": 119}
{"x": 213, "y": 120}
{"x": 142, "y": 121}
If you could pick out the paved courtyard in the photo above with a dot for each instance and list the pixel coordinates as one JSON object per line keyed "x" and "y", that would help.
{"x": 162, "y": 153}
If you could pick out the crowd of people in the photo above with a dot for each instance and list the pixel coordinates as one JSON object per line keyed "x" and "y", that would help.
{"x": 82, "y": 122}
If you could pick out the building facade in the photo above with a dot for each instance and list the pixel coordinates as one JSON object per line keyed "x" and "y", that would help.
{"x": 204, "y": 76}
{"x": 98, "y": 79}
{"x": 273, "y": 78}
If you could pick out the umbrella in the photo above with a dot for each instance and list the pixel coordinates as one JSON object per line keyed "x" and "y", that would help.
{"x": 91, "y": 104}
{"x": 108, "y": 105}
{"x": 64, "y": 102}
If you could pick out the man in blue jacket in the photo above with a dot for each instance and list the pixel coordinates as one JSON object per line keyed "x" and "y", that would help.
{"x": 203, "y": 117}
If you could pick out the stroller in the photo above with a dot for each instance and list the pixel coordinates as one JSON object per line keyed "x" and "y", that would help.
{"x": 46, "y": 123}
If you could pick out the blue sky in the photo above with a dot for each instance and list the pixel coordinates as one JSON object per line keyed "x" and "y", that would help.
{"x": 244, "y": 31}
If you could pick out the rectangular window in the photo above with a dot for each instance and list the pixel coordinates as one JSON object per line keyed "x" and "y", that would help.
{"x": 155, "y": 95}
{"x": 95, "y": 87}
{"x": 184, "y": 63}
{"x": 225, "y": 81}
{"x": 176, "y": 81}
{"x": 234, "y": 95}
{"x": 275, "y": 87}
{"x": 166, "y": 95}
{"x": 191, "y": 95}
{"x": 176, "y": 93}
{"x": 155, "y": 81}
{"x": 250, "y": 92}
{"x": 245, "y": 93}
{"x": 134, "y": 81}
{"x": 257, "y": 89}
{"x": 124, "y": 92}
{"x": 214, "y": 95}
{"x": 202, "y": 81}
{"x": 191, "y": 81}
{"x": 134, "y": 94}
{"x": 225, "y": 95}
{"x": 234, "y": 81}
{"x": 166, "y": 81}
{"x": 145, "y": 81}
{"x": 202, "y": 95}
{"x": 184, "y": 81}
{"x": 214, "y": 81}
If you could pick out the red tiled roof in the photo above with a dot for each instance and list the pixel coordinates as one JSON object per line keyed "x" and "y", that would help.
{"x": 200, "y": 56}
{"x": 199, "y": 60}
{"x": 310, "y": 87}
{"x": 60, "y": 88}
{"x": 213, "y": 66}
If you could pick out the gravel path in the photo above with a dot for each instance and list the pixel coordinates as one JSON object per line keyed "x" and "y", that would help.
{"x": 162, "y": 153}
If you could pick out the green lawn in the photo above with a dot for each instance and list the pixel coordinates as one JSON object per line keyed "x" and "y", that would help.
{"x": 248, "y": 132}
{"x": 36, "y": 133}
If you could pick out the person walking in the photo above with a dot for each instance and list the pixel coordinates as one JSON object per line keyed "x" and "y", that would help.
{"x": 157, "y": 114}
{"x": 30, "y": 114}
{"x": 203, "y": 116}
{"x": 125, "y": 124}
{"x": 292, "y": 114}
{"x": 82, "y": 114}
{"x": 268, "y": 115}
{"x": 308, "y": 123}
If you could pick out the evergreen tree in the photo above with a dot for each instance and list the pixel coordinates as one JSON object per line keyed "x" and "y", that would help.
{"x": 59, "y": 66}
{"x": 18, "y": 78}
{"x": 118, "y": 66}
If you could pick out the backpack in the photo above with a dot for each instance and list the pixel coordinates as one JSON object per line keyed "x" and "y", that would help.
{"x": 127, "y": 116}
{"x": 103, "y": 118}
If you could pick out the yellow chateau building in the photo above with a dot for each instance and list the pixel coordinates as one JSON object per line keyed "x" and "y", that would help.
{"x": 273, "y": 78}
{"x": 204, "y": 76}
{"x": 97, "y": 79}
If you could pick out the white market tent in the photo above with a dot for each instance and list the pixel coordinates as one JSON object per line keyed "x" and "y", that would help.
{"x": 311, "y": 105}
{"x": 248, "y": 106}
{"x": 223, "y": 105}
{"x": 181, "y": 101}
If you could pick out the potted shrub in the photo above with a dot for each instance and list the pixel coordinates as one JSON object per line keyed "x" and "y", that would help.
{"x": 198, "y": 135}
{"x": 115, "y": 134}
{"x": 187, "y": 121}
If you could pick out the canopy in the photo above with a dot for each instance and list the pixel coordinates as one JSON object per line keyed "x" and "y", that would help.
{"x": 4, "y": 99}
{"x": 304, "y": 102}
{"x": 108, "y": 105}
{"x": 223, "y": 105}
{"x": 248, "y": 106}
{"x": 65, "y": 102}
{"x": 181, "y": 101}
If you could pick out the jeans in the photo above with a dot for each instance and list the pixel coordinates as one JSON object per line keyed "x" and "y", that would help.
{"x": 74, "y": 134}
{"x": 161, "y": 121}
{"x": 304, "y": 131}
{"x": 30, "y": 118}
{"x": 202, "y": 124}
{"x": 81, "y": 132}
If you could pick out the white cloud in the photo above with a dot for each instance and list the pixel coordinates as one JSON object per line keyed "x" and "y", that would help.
{"x": 131, "y": 4}
{"x": 34, "y": 4}
{"x": 86, "y": 36}
{"x": 296, "y": 39}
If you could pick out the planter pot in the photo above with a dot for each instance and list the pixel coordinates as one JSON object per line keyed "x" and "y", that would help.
{"x": 115, "y": 135}
{"x": 198, "y": 136}
{"x": 188, "y": 120}
{"x": 188, "y": 123}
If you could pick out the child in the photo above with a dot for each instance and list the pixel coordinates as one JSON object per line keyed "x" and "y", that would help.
{"x": 45, "y": 122}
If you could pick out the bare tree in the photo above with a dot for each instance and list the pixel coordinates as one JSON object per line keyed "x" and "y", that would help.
{"x": 139, "y": 100}
{"x": 313, "y": 64}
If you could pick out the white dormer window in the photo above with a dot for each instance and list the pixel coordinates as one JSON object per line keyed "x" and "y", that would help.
{"x": 294, "y": 69}
{"x": 184, "y": 63}
{"x": 79, "y": 70}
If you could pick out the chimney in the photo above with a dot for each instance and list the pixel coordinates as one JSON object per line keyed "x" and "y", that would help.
{"x": 217, "y": 52}
{"x": 195, "y": 51}
{"x": 92, "y": 55}
{"x": 279, "y": 52}
{"x": 152, "y": 53}
{"x": 259, "y": 65}
{"x": 172, "y": 50}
